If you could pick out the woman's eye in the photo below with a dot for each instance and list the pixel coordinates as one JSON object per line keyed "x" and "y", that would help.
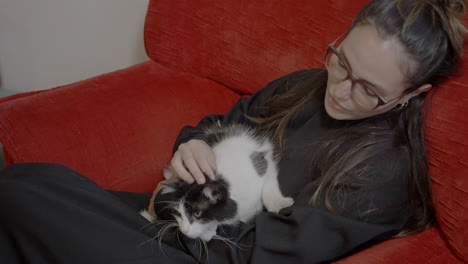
{"x": 197, "y": 214}
{"x": 369, "y": 92}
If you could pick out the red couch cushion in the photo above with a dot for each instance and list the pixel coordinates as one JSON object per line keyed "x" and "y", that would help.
{"x": 117, "y": 129}
{"x": 427, "y": 247}
{"x": 244, "y": 44}
{"x": 447, "y": 146}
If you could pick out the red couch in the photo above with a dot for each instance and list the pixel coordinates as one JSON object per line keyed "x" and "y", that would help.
{"x": 119, "y": 128}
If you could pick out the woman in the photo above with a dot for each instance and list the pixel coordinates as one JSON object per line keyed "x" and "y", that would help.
{"x": 352, "y": 145}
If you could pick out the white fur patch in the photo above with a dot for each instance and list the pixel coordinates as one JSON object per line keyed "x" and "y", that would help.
{"x": 146, "y": 215}
{"x": 167, "y": 173}
{"x": 208, "y": 192}
{"x": 250, "y": 190}
{"x": 166, "y": 189}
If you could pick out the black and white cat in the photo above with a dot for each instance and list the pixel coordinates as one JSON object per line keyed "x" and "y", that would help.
{"x": 246, "y": 180}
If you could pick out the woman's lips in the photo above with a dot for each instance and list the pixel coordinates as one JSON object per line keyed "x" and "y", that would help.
{"x": 337, "y": 105}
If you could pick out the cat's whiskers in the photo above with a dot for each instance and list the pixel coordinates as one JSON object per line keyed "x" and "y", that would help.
{"x": 168, "y": 224}
{"x": 154, "y": 224}
{"x": 165, "y": 228}
{"x": 229, "y": 242}
{"x": 178, "y": 236}
{"x": 197, "y": 243}
{"x": 147, "y": 225}
{"x": 220, "y": 227}
{"x": 168, "y": 202}
{"x": 160, "y": 222}
{"x": 161, "y": 233}
{"x": 202, "y": 249}
{"x": 169, "y": 206}
{"x": 206, "y": 250}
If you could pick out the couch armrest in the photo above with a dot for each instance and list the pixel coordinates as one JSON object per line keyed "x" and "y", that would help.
{"x": 118, "y": 129}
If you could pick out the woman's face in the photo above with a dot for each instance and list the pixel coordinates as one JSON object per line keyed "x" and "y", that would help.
{"x": 380, "y": 62}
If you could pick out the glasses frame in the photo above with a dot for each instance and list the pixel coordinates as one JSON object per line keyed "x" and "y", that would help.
{"x": 381, "y": 100}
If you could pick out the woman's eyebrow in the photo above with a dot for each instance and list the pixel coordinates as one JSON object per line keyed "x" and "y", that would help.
{"x": 378, "y": 88}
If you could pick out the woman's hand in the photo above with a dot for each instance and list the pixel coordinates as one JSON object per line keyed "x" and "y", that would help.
{"x": 193, "y": 160}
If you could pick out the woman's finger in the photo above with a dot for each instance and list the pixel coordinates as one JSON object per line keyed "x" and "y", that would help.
{"x": 194, "y": 168}
{"x": 206, "y": 168}
{"x": 180, "y": 169}
{"x": 210, "y": 157}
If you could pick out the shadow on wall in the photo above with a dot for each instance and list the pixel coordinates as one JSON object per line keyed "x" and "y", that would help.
{"x": 1, "y": 147}
{"x": 3, "y": 93}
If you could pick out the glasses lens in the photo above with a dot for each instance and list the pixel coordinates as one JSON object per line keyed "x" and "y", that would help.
{"x": 364, "y": 96}
{"x": 336, "y": 66}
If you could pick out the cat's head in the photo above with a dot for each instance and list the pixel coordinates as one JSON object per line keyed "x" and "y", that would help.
{"x": 197, "y": 208}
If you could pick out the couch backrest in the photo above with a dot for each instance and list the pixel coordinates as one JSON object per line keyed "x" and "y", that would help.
{"x": 118, "y": 129}
{"x": 244, "y": 44}
{"x": 447, "y": 147}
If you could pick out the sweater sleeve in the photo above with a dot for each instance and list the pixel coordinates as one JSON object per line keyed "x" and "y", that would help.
{"x": 304, "y": 234}
{"x": 244, "y": 106}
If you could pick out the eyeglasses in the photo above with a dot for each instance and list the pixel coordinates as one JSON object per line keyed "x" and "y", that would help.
{"x": 362, "y": 91}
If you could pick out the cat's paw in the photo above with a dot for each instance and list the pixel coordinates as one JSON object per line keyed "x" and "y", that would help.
{"x": 279, "y": 203}
{"x": 147, "y": 215}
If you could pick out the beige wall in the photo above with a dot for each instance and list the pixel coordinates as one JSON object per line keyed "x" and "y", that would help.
{"x": 47, "y": 43}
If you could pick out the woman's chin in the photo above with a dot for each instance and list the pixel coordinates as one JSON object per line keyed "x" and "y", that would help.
{"x": 335, "y": 113}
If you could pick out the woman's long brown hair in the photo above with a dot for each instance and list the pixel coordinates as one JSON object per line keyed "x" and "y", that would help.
{"x": 432, "y": 34}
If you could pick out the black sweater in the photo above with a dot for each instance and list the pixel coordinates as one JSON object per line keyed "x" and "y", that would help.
{"x": 304, "y": 233}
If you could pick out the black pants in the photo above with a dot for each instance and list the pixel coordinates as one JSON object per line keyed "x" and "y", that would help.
{"x": 52, "y": 214}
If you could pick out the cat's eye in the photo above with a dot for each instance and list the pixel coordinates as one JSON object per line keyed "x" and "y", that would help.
{"x": 197, "y": 214}
{"x": 189, "y": 208}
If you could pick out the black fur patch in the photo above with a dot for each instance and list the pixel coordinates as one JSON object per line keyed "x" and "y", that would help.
{"x": 219, "y": 206}
{"x": 165, "y": 199}
{"x": 259, "y": 162}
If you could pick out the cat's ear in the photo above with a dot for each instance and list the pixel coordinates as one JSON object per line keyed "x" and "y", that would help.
{"x": 170, "y": 187}
{"x": 212, "y": 194}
